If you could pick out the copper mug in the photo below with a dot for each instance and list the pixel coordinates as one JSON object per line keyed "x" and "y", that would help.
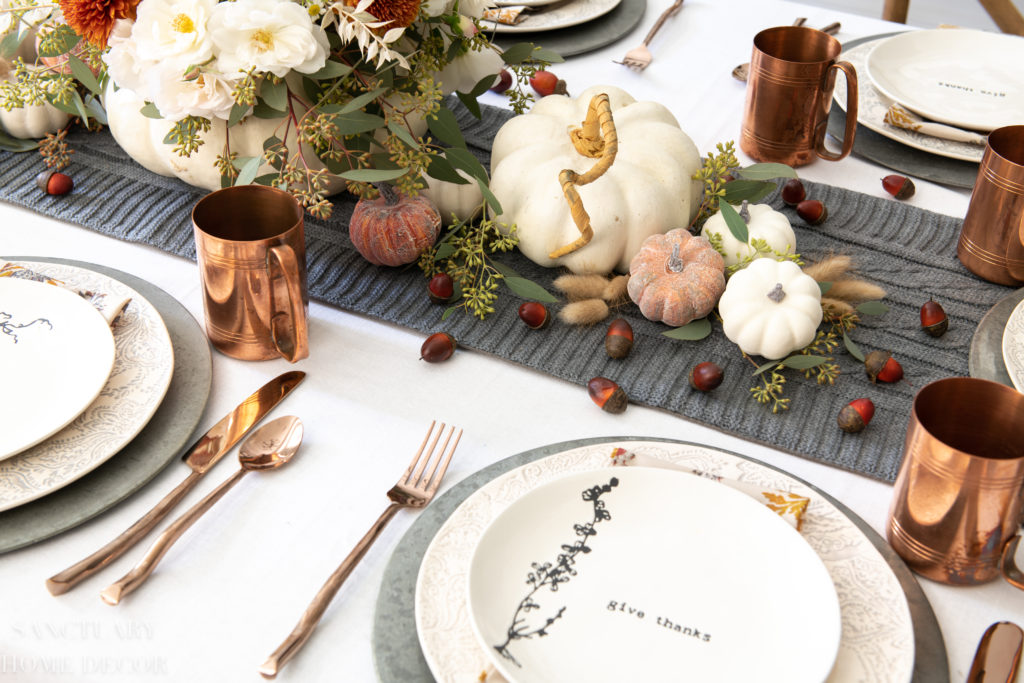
{"x": 789, "y": 94}
{"x": 959, "y": 495}
{"x": 990, "y": 239}
{"x": 251, "y": 250}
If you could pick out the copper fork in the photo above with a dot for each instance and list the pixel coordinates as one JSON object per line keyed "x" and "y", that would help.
{"x": 414, "y": 490}
{"x": 640, "y": 57}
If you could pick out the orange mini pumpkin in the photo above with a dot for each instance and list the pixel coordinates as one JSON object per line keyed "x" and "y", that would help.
{"x": 676, "y": 278}
{"x": 393, "y": 230}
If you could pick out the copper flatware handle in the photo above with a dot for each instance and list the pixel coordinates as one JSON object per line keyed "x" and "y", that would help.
{"x": 64, "y": 581}
{"x": 113, "y": 593}
{"x": 661, "y": 20}
{"x": 311, "y": 617}
{"x": 998, "y": 656}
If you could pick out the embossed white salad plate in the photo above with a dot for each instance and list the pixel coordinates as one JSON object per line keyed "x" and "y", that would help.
{"x": 56, "y": 353}
{"x": 1013, "y": 346}
{"x": 963, "y": 77}
{"x": 561, "y": 15}
{"x": 638, "y": 573}
{"x": 143, "y": 365}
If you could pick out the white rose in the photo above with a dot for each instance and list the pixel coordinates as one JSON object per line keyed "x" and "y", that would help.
{"x": 208, "y": 96}
{"x": 123, "y": 62}
{"x": 174, "y": 32}
{"x": 274, "y": 36}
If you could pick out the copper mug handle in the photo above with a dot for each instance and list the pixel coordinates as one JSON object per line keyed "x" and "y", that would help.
{"x": 1008, "y": 565}
{"x": 288, "y": 322}
{"x": 851, "y": 113}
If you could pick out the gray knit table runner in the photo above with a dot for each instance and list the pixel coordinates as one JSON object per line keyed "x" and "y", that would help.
{"x": 908, "y": 251}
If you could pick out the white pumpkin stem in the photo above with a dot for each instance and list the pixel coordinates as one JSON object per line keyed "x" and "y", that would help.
{"x": 777, "y": 294}
{"x": 674, "y": 263}
{"x": 599, "y": 113}
{"x": 390, "y": 195}
{"x": 745, "y": 212}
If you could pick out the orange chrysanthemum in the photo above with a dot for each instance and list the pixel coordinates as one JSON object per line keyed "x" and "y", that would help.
{"x": 399, "y": 12}
{"x": 94, "y": 19}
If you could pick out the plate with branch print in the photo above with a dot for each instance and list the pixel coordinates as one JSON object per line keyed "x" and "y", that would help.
{"x": 648, "y": 574}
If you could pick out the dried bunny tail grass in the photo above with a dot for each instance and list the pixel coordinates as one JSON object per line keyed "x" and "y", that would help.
{"x": 855, "y": 290}
{"x": 835, "y": 306}
{"x": 615, "y": 291}
{"x": 830, "y": 268}
{"x": 580, "y": 287}
{"x": 586, "y": 312}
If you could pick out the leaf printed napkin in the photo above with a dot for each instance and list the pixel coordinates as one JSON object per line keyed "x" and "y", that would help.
{"x": 509, "y": 15}
{"x": 109, "y": 307}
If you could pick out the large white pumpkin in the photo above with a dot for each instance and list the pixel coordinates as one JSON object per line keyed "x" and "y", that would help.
{"x": 649, "y": 189}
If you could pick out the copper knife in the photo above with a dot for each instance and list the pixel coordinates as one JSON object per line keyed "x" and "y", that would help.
{"x": 998, "y": 654}
{"x": 201, "y": 456}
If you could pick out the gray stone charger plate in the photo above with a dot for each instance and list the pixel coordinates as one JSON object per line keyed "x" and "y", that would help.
{"x": 396, "y": 646}
{"x": 891, "y": 154}
{"x": 576, "y": 40}
{"x": 986, "y": 356}
{"x": 159, "y": 442}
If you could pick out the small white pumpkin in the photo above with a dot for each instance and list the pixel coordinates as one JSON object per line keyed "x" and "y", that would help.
{"x": 771, "y": 308}
{"x": 31, "y": 121}
{"x": 763, "y": 222}
{"x": 648, "y": 189}
{"x": 452, "y": 198}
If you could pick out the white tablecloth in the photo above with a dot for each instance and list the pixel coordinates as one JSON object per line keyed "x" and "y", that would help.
{"x": 230, "y": 590}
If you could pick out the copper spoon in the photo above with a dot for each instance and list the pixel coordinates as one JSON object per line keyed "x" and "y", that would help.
{"x": 269, "y": 447}
{"x": 740, "y": 72}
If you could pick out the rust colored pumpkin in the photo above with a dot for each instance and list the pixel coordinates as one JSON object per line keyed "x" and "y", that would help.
{"x": 393, "y": 230}
{"x": 676, "y": 278}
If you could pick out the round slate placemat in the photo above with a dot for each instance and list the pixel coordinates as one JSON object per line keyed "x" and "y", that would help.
{"x": 582, "y": 38}
{"x": 149, "y": 452}
{"x": 396, "y": 648}
{"x": 986, "y": 357}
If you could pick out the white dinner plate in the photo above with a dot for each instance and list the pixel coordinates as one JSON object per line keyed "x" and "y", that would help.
{"x": 1013, "y": 346}
{"x": 877, "y": 643}
{"x": 872, "y": 106}
{"x": 962, "y": 77}
{"x": 56, "y": 353}
{"x": 525, "y": 3}
{"x": 562, "y": 15}
{"x": 143, "y": 365}
{"x": 634, "y": 573}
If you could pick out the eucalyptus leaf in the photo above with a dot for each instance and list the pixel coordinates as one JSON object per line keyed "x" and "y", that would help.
{"x": 80, "y": 111}
{"x": 275, "y": 94}
{"x": 749, "y": 190}
{"x": 470, "y": 103}
{"x": 403, "y": 135}
{"x": 444, "y": 126}
{"x": 66, "y": 108}
{"x": 10, "y": 44}
{"x": 262, "y": 110}
{"x": 84, "y": 75}
{"x": 357, "y": 103}
{"x": 765, "y": 367}
{"x": 12, "y": 144}
{"x": 238, "y": 112}
{"x": 737, "y": 226}
{"x": 518, "y": 53}
{"x": 439, "y": 168}
{"x": 150, "y": 111}
{"x": 448, "y": 312}
{"x": 528, "y": 289}
{"x": 695, "y": 331}
{"x": 355, "y": 122}
{"x": 542, "y": 54}
{"x": 872, "y": 308}
{"x": 96, "y": 110}
{"x": 492, "y": 201}
{"x": 766, "y": 171}
{"x": 373, "y": 175}
{"x": 266, "y": 179}
{"x": 62, "y": 39}
{"x": 852, "y": 348}
{"x": 802, "y": 361}
{"x": 483, "y": 85}
{"x": 443, "y": 251}
{"x": 330, "y": 71}
{"x": 247, "y": 168}
{"x": 824, "y": 287}
{"x": 464, "y": 159}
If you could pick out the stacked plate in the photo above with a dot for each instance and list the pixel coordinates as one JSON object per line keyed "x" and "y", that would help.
{"x": 81, "y": 395}
{"x": 562, "y": 569}
{"x": 568, "y": 27}
{"x": 963, "y": 78}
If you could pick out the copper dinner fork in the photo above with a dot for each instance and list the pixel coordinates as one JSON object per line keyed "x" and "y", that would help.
{"x": 414, "y": 489}
{"x": 639, "y": 57}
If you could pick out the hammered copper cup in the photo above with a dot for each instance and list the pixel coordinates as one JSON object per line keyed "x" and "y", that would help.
{"x": 789, "y": 94}
{"x": 251, "y": 250}
{"x": 960, "y": 490}
{"x": 990, "y": 239}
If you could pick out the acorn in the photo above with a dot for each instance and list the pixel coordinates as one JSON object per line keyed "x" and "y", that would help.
{"x": 933, "y": 318}
{"x": 881, "y": 366}
{"x": 618, "y": 341}
{"x": 54, "y": 182}
{"x": 793, "y": 192}
{"x": 437, "y": 347}
{"x": 856, "y": 415}
{"x": 706, "y": 376}
{"x": 534, "y": 314}
{"x": 504, "y": 82}
{"x": 899, "y": 186}
{"x": 441, "y": 288}
{"x": 608, "y": 395}
{"x": 812, "y": 211}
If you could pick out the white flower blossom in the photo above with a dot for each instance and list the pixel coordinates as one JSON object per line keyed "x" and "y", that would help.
{"x": 208, "y": 96}
{"x": 275, "y": 36}
{"x": 174, "y": 32}
{"x": 123, "y": 62}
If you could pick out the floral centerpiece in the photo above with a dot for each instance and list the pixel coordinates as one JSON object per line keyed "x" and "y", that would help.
{"x": 307, "y": 95}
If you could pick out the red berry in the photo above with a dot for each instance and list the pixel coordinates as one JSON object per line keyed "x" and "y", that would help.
{"x": 607, "y": 394}
{"x": 547, "y": 83}
{"x": 54, "y": 182}
{"x": 793, "y": 192}
{"x": 934, "y": 319}
{"x": 618, "y": 341}
{"x": 812, "y": 211}
{"x": 503, "y": 83}
{"x": 441, "y": 288}
{"x": 438, "y": 347}
{"x": 856, "y": 414}
{"x": 706, "y": 376}
{"x": 881, "y": 366}
{"x": 534, "y": 314}
{"x": 900, "y": 187}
